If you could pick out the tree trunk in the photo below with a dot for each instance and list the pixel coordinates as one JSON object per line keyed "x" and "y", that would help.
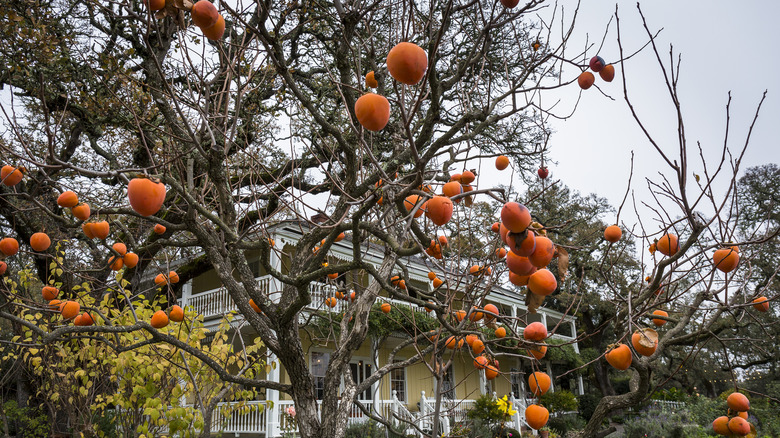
{"x": 601, "y": 376}
{"x": 640, "y": 387}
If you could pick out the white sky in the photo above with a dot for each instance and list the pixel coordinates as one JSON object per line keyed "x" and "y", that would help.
{"x": 724, "y": 47}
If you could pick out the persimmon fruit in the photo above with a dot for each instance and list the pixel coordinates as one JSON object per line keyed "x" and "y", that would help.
{"x": 407, "y": 63}
{"x": 159, "y": 319}
{"x": 619, "y": 356}
{"x": 372, "y": 111}
{"x": 40, "y": 242}
{"x": 612, "y": 233}
{"x": 67, "y": 199}
{"x": 586, "y": 80}
{"x": 146, "y": 196}
{"x": 535, "y": 331}
{"x": 502, "y": 162}
{"x": 204, "y": 14}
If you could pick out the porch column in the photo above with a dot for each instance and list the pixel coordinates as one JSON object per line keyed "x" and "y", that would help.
{"x": 272, "y": 395}
{"x": 186, "y": 293}
{"x": 276, "y": 263}
{"x": 375, "y": 386}
{"x": 549, "y": 373}
{"x": 482, "y": 382}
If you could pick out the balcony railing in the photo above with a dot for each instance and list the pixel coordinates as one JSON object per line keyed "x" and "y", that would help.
{"x": 217, "y": 302}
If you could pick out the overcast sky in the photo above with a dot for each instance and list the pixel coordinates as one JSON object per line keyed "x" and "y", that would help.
{"x": 724, "y": 47}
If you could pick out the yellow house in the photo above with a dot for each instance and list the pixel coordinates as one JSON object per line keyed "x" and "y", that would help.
{"x": 407, "y": 393}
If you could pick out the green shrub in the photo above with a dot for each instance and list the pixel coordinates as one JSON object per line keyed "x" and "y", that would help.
{"x": 588, "y": 403}
{"x": 566, "y": 423}
{"x": 32, "y": 422}
{"x": 560, "y": 401}
{"x": 369, "y": 429}
{"x": 486, "y": 409}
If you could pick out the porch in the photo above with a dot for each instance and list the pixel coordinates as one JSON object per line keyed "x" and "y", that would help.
{"x": 257, "y": 418}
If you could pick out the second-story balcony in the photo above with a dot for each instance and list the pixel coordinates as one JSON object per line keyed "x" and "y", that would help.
{"x": 215, "y": 303}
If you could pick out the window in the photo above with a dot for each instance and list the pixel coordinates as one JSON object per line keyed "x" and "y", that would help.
{"x": 319, "y": 364}
{"x": 448, "y": 384}
{"x": 360, "y": 371}
{"x": 515, "y": 379}
{"x": 398, "y": 382}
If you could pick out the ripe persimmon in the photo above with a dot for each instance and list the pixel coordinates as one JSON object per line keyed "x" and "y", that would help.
{"x": 493, "y": 312}
{"x": 69, "y": 309}
{"x": 176, "y": 314}
{"x": 619, "y": 356}
{"x": 452, "y": 188}
{"x": 519, "y": 280}
{"x": 159, "y": 319}
{"x": 726, "y": 259}
{"x": 372, "y": 111}
{"x": 130, "y": 259}
{"x": 67, "y": 199}
{"x": 721, "y": 426}
{"x": 586, "y": 80}
{"x": 515, "y": 217}
{"x": 500, "y": 332}
{"x": 761, "y": 304}
{"x": 543, "y": 252}
{"x": 116, "y": 263}
{"x": 535, "y": 331}
{"x": 539, "y": 383}
{"x": 159, "y": 229}
{"x": 100, "y": 229}
{"x": 146, "y": 196}
{"x": 478, "y": 346}
{"x": 607, "y": 73}
{"x": 480, "y": 362}
{"x": 40, "y": 242}
{"x": 371, "y": 80}
{"x": 204, "y": 14}
{"x": 738, "y": 402}
{"x": 491, "y": 372}
{"x": 519, "y": 265}
{"x": 542, "y": 282}
{"x": 613, "y": 233}
{"x": 49, "y": 292}
{"x": 668, "y": 244}
{"x": 502, "y": 162}
{"x": 536, "y": 416}
{"x": 467, "y": 177}
{"x": 738, "y": 426}
{"x": 657, "y": 321}
{"x": 81, "y": 211}
{"x": 386, "y": 308}
{"x": 411, "y": 201}
{"x": 407, "y": 63}
{"x": 437, "y": 282}
{"x": 538, "y": 352}
{"x": 216, "y": 30}
{"x": 454, "y": 343}
{"x": 120, "y": 248}
{"x": 9, "y": 246}
{"x": 10, "y": 175}
{"x": 524, "y": 247}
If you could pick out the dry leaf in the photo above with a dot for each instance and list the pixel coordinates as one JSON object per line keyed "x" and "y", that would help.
{"x": 563, "y": 262}
{"x": 533, "y": 301}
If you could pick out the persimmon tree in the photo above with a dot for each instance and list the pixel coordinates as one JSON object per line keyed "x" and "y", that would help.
{"x": 266, "y": 118}
{"x": 698, "y": 264}
{"x": 372, "y": 113}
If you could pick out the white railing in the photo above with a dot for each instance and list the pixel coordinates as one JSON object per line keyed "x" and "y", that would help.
{"x": 249, "y": 418}
{"x": 667, "y": 405}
